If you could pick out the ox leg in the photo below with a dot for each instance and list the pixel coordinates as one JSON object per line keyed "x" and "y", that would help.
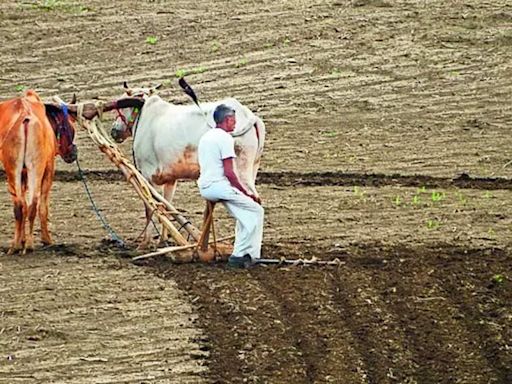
{"x": 46, "y": 185}
{"x": 36, "y": 173}
{"x": 169, "y": 190}
{"x": 255, "y": 170}
{"x": 247, "y": 166}
{"x": 32, "y": 213}
{"x": 16, "y": 190}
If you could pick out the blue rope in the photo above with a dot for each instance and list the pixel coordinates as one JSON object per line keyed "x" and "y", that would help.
{"x": 113, "y": 235}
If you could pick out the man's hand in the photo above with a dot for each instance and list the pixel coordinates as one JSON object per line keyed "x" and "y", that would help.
{"x": 256, "y": 199}
{"x": 230, "y": 174}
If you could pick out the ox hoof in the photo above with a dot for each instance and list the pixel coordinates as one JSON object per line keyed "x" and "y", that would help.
{"x": 145, "y": 246}
{"x": 16, "y": 249}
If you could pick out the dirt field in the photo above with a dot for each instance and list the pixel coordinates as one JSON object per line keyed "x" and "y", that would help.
{"x": 388, "y": 148}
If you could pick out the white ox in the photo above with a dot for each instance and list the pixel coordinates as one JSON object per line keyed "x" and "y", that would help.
{"x": 166, "y": 136}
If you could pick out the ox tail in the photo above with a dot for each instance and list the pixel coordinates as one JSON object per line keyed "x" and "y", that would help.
{"x": 26, "y": 121}
{"x": 260, "y": 133}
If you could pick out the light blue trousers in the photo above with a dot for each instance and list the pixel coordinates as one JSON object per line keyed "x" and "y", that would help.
{"x": 247, "y": 213}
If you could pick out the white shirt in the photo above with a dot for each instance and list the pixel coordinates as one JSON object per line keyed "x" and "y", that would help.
{"x": 214, "y": 146}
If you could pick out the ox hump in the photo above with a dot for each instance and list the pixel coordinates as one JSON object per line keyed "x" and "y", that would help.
{"x": 32, "y": 96}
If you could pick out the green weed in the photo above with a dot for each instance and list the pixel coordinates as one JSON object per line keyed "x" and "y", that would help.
{"x": 358, "y": 192}
{"x": 330, "y": 133}
{"x": 437, "y": 196}
{"x": 242, "y": 63}
{"x": 60, "y": 5}
{"x": 152, "y": 40}
{"x": 422, "y": 189}
{"x": 488, "y": 195}
{"x": 20, "y": 88}
{"x": 215, "y": 46}
{"x": 498, "y": 279}
{"x": 185, "y": 72}
{"x": 462, "y": 199}
{"x": 433, "y": 224}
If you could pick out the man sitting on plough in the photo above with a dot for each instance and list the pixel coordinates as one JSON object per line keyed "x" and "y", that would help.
{"x": 218, "y": 182}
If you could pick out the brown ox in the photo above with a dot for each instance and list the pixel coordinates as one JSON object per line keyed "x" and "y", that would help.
{"x": 31, "y": 135}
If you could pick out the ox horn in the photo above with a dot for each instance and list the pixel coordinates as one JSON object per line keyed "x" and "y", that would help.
{"x": 73, "y": 99}
{"x": 153, "y": 89}
{"x": 127, "y": 88}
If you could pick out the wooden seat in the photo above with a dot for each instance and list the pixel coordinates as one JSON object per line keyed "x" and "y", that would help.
{"x": 207, "y": 226}
{"x": 216, "y": 250}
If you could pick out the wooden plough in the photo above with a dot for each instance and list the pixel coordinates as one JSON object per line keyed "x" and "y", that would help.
{"x": 89, "y": 118}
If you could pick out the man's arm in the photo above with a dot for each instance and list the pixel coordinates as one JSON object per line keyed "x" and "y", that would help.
{"x": 229, "y": 172}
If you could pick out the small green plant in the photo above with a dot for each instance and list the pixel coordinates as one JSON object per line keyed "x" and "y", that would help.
{"x": 422, "y": 189}
{"x": 47, "y": 5}
{"x": 462, "y": 199}
{"x": 19, "y": 88}
{"x": 498, "y": 279}
{"x": 416, "y": 199}
{"x": 397, "y": 200}
{"x": 242, "y": 63}
{"x": 185, "y": 72}
{"x": 268, "y": 45}
{"x": 491, "y": 232}
{"x": 63, "y": 5}
{"x": 358, "y": 192}
{"x": 437, "y": 196}
{"x": 286, "y": 41}
{"x": 152, "y": 40}
{"x": 336, "y": 72}
{"x": 215, "y": 46}
{"x": 433, "y": 224}
{"x": 488, "y": 195}
{"x": 330, "y": 133}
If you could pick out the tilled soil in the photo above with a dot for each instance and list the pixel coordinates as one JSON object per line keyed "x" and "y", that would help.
{"x": 387, "y": 149}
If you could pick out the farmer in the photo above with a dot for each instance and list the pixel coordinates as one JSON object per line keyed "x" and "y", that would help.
{"x": 219, "y": 182}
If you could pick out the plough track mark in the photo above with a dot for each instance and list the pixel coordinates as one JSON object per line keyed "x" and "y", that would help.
{"x": 322, "y": 336}
{"x": 237, "y": 353}
{"x": 478, "y": 312}
{"x": 286, "y": 179}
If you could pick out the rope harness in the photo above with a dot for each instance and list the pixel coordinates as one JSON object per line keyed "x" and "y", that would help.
{"x": 114, "y": 237}
{"x": 118, "y": 241}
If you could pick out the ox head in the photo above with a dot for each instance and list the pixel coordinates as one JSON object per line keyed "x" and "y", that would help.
{"x": 64, "y": 129}
{"x": 127, "y": 116}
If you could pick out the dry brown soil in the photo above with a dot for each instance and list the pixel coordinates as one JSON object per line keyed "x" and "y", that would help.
{"x": 388, "y": 148}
